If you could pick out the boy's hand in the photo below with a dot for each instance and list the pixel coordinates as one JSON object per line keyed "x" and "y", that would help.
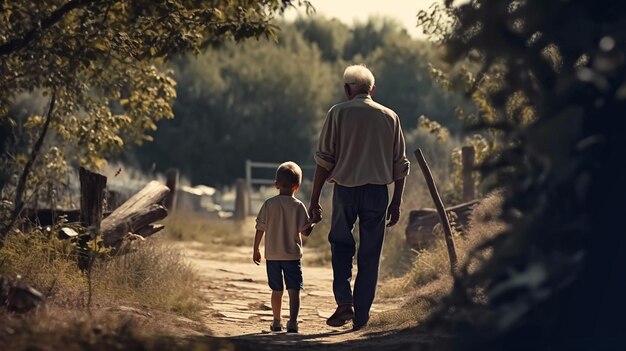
{"x": 256, "y": 257}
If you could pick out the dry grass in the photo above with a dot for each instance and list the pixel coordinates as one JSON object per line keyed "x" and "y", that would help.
{"x": 43, "y": 261}
{"x": 420, "y": 302}
{"x": 429, "y": 278}
{"x": 397, "y": 257}
{"x": 153, "y": 276}
{"x": 184, "y": 226}
{"x": 154, "y": 279}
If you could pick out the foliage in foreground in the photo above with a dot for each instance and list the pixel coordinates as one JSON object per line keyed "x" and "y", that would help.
{"x": 562, "y": 253}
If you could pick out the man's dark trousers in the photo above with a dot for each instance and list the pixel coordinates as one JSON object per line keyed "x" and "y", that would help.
{"x": 369, "y": 203}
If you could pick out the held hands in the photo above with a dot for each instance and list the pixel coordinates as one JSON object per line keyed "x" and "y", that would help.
{"x": 256, "y": 257}
{"x": 315, "y": 212}
{"x": 393, "y": 214}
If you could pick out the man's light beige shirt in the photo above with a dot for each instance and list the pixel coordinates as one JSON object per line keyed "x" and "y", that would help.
{"x": 362, "y": 143}
{"x": 283, "y": 218}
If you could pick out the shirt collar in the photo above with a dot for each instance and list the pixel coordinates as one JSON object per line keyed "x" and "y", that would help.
{"x": 362, "y": 96}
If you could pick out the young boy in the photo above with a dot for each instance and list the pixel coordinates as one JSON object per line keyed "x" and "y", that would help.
{"x": 283, "y": 218}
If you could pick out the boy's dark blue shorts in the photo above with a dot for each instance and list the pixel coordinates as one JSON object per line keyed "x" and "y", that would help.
{"x": 292, "y": 271}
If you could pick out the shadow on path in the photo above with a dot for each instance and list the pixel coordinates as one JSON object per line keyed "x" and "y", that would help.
{"x": 412, "y": 339}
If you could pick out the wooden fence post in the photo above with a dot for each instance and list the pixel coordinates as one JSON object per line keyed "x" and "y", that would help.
{"x": 467, "y": 158}
{"x": 242, "y": 200}
{"x": 441, "y": 210}
{"x": 92, "y": 192}
{"x": 171, "y": 182}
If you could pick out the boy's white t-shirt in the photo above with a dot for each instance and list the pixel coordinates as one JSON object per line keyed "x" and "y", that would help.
{"x": 282, "y": 218}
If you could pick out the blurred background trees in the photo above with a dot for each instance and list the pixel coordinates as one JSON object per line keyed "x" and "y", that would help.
{"x": 267, "y": 102}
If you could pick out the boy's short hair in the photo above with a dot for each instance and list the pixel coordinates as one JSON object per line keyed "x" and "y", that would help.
{"x": 288, "y": 175}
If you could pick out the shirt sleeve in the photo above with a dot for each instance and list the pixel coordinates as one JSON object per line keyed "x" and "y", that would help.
{"x": 401, "y": 164}
{"x": 325, "y": 154}
{"x": 303, "y": 218}
{"x": 261, "y": 219}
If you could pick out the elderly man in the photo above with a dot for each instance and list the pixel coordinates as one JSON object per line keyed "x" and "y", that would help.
{"x": 361, "y": 150}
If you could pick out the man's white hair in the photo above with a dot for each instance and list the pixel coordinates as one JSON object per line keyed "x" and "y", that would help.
{"x": 359, "y": 77}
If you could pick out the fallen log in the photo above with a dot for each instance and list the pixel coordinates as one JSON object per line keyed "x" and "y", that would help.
{"x": 136, "y": 215}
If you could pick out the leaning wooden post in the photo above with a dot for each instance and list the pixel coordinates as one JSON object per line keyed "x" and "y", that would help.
{"x": 467, "y": 161}
{"x": 92, "y": 192}
{"x": 172, "y": 183}
{"x": 445, "y": 223}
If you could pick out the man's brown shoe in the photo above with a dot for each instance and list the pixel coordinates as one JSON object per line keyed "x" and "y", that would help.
{"x": 342, "y": 315}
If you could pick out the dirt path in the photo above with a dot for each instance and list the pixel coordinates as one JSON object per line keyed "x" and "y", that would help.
{"x": 238, "y": 299}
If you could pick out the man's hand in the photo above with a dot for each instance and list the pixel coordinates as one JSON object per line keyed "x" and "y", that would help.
{"x": 393, "y": 214}
{"x": 256, "y": 257}
{"x": 315, "y": 212}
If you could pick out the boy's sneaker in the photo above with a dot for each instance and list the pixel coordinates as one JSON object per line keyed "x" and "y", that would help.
{"x": 276, "y": 326}
{"x": 292, "y": 326}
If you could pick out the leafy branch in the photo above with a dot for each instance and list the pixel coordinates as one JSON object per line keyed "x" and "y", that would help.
{"x": 58, "y": 14}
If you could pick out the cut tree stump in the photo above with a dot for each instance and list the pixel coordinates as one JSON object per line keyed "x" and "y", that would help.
{"x": 136, "y": 215}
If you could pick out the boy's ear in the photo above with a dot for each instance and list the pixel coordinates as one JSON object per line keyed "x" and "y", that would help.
{"x": 296, "y": 187}
{"x": 276, "y": 185}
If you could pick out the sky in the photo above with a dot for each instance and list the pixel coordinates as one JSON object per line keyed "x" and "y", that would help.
{"x": 349, "y": 11}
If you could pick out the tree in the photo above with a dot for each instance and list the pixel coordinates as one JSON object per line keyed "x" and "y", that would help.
{"x": 374, "y": 33}
{"x": 330, "y": 36}
{"x": 403, "y": 76}
{"x": 555, "y": 76}
{"x": 247, "y": 101}
{"x": 100, "y": 64}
